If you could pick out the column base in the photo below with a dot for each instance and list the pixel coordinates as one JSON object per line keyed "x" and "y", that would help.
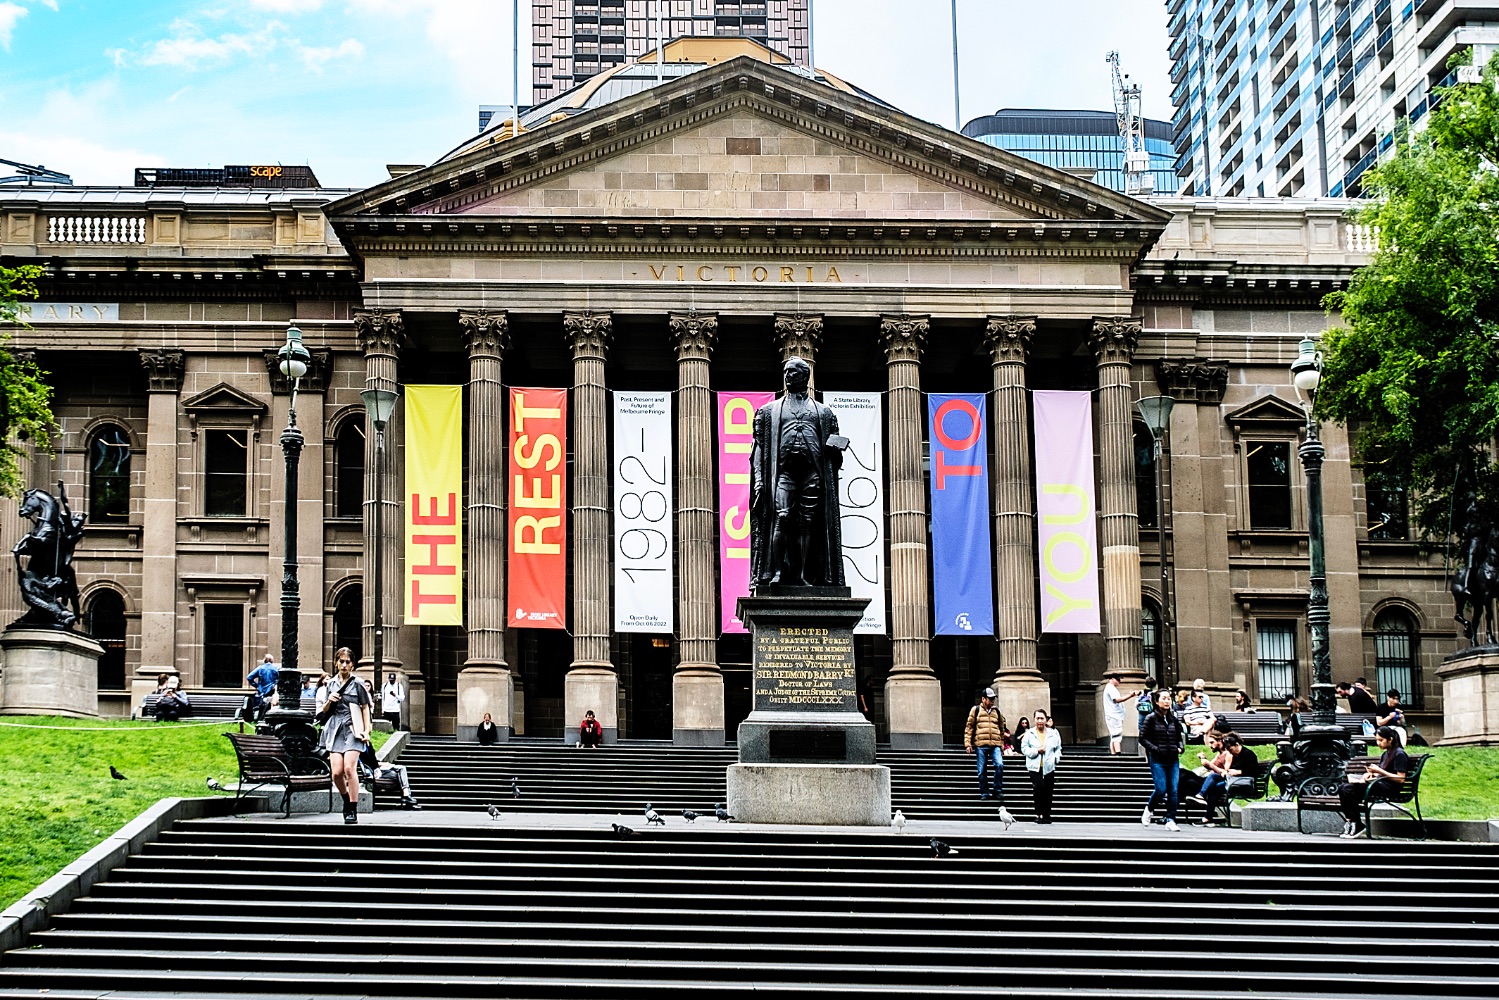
{"x": 590, "y": 686}
{"x": 913, "y": 704}
{"x": 484, "y": 687}
{"x": 49, "y": 672}
{"x": 697, "y": 706}
{"x": 1020, "y": 695}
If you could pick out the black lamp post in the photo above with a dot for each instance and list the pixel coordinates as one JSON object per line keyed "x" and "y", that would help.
{"x": 1306, "y": 371}
{"x": 379, "y": 404}
{"x": 1156, "y": 412}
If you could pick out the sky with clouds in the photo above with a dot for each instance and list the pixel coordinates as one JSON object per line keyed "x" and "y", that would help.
{"x": 97, "y": 88}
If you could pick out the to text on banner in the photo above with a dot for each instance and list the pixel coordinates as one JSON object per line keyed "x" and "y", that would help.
{"x": 642, "y": 512}
{"x": 736, "y": 436}
{"x": 861, "y": 500}
{"x": 1067, "y": 532}
{"x": 962, "y": 567}
{"x": 434, "y": 517}
{"x": 538, "y": 508}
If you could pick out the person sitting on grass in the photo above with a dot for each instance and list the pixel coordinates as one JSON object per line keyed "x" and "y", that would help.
{"x": 1381, "y": 781}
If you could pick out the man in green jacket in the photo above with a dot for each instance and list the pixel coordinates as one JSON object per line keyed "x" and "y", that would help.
{"x": 984, "y": 735}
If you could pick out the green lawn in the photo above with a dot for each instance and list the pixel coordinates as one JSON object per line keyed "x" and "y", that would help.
{"x": 59, "y": 800}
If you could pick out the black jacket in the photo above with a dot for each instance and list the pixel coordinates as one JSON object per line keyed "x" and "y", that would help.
{"x": 1162, "y": 735}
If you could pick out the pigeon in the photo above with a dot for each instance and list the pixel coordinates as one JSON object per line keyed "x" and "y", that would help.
{"x": 898, "y": 821}
{"x": 689, "y": 815}
{"x": 941, "y": 849}
{"x": 1006, "y": 817}
{"x": 116, "y": 775}
{"x": 515, "y": 787}
{"x": 722, "y": 813}
{"x": 623, "y": 832}
{"x": 214, "y": 786}
{"x": 652, "y": 816}
{"x": 493, "y": 812}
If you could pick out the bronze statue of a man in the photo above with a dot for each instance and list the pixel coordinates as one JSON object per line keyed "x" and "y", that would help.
{"x": 796, "y": 536}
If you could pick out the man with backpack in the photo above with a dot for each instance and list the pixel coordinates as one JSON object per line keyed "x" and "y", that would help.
{"x": 984, "y": 735}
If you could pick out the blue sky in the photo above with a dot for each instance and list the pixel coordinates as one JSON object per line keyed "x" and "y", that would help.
{"x": 98, "y": 87}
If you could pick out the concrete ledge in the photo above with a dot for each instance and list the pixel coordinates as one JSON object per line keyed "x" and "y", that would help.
{"x": 915, "y": 741}
{"x": 394, "y": 747}
{"x": 697, "y": 737}
{"x": 810, "y": 794}
{"x": 1388, "y": 822}
{"x": 34, "y": 910}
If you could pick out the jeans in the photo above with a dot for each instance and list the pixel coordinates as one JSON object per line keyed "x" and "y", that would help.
{"x": 1165, "y": 775}
{"x": 991, "y": 757}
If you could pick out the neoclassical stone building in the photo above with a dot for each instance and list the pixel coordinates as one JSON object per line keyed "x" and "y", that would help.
{"x": 687, "y": 239}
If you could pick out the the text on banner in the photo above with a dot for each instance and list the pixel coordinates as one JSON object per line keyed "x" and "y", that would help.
{"x": 434, "y": 517}
{"x": 861, "y": 501}
{"x": 962, "y": 570}
{"x": 642, "y": 512}
{"x": 736, "y": 435}
{"x": 1067, "y": 533}
{"x": 538, "y": 508}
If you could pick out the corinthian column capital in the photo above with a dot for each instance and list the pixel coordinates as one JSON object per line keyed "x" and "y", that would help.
{"x": 903, "y": 337}
{"x": 798, "y": 336}
{"x": 485, "y": 334}
{"x": 1114, "y": 339}
{"x": 693, "y": 334}
{"x": 588, "y": 334}
{"x": 1009, "y": 338}
{"x": 380, "y": 332}
{"x": 163, "y": 370}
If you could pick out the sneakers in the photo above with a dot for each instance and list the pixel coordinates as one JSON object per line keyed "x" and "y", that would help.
{"x": 1197, "y": 800}
{"x": 407, "y": 802}
{"x": 1171, "y": 825}
{"x": 1146, "y": 818}
{"x": 1348, "y": 827}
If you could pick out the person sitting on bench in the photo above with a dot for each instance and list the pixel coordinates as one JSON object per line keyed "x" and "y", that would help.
{"x": 1380, "y": 781}
{"x": 1242, "y": 763}
{"x": 381, "y": 770}
{"x": 173, "y": 703}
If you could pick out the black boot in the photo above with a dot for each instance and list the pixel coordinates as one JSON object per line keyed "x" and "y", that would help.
{"x": 351, "y": 811}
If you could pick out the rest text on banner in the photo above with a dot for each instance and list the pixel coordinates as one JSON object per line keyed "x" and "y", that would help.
{"x": 538, "y": 508}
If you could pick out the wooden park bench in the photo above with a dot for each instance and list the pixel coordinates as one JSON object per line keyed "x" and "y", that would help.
{"x": 204, "y": 706}
{"x": 265, "y": 760}
{"x": 1254, "y": 728}
{"x": 1409, "y": 792}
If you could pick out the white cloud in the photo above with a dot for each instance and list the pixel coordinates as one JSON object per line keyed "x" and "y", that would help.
{"x": 10, "y": 13}
{"x": 316, "y": 57}
{"x": 81, "y": 133}
{"x": 472, "y": 36}
{"x": 188, "y": 48}
{"x": 50, "y": 4}
{"x": 287, "y": 6}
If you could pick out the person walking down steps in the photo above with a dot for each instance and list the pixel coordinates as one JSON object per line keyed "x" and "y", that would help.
{"x": 984, "y": 736}
{"x": 1042, "y": 747}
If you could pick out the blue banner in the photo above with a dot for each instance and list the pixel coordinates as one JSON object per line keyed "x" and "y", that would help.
{"x": 962, "y": 567}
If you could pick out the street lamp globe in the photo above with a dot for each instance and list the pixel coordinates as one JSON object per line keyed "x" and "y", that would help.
{"x": 1306, "y": 370}
{"x": 379, "y": 404}
{"x": 293, "y": 356}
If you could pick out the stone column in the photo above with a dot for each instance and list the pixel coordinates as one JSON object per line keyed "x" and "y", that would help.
{"x": 697, "y": 712}
{"x": 913, "y": 697}
{"x": 159, "y": 525}
{"x": 1113, "y": 339}
{"x": 485, "y": 683}
{"x": 591, "y": 681}
{"x": 799, "y": 336}
{"x": 1019, "y": 682}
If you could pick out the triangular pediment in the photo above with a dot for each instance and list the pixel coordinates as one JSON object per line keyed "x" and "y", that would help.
{"x": 223, "y": 399}
{"x": 1267, "y": 412}
{"x": 751, "y": 142}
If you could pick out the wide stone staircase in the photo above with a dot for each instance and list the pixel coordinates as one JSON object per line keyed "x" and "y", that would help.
{"x": 928, "y": 785}
{"x": 313, "y": 909}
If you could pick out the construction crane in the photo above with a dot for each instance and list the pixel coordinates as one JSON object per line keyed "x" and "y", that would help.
{"x": 29, "y": 174}
{"x": 1137, "y": 176}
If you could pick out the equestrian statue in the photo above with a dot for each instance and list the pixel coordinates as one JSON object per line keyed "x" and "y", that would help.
{"x": 44, "y": 560}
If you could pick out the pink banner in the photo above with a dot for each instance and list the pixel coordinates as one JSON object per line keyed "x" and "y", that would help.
{"x": 736, "y": 434}
{"x": 1067, "y": 531}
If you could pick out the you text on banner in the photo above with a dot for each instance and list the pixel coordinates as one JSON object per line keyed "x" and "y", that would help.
{"x": 538, "y": 508}
{"x": 434, "y": 517}
{"x": 1067, "y": 533}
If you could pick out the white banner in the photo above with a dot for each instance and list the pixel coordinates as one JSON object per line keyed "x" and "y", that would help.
{"x": 861, "y": 497}
{"x": 642, "y": 512}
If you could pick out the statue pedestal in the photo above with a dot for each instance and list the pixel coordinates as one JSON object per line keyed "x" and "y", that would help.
{"x": 806, "y": 755}
{"x": 1470, "y": 697}
{"x": 49, "y": 672}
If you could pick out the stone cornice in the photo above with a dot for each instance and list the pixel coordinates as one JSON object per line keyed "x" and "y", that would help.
{"x": 163, "y": 370}
{"x": 1009, "y": 338}
{"x": 1193, "y": 380}
{"x": 693, "y": 335}
{"x": 903, "y": 337}
{"x": 1113, "y": 339}
{"x": 588, "y": 334}
{"x": 485, "y": 334}
{"x": 314, "y": 382}
{"x": 798, "y": 335}
{"x": 380, "y": 332}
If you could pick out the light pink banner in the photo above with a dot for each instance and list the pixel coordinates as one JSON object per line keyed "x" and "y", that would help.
{"x": 736, "y": 435}
{"x": 1067, "y": 531}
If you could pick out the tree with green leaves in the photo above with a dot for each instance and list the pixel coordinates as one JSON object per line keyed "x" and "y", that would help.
{"x": 1414, "y": 370}
{"x": 26, "y": 420}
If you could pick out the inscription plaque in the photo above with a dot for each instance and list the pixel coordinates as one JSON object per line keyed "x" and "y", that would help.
{"x": 800, "y": 668}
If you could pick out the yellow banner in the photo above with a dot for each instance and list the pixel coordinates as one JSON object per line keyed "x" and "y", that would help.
{"x": 434, "y": 508}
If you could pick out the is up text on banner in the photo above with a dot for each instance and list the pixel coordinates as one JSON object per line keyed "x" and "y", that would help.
{"x": 642, "y": 512}
{"x": 861, "y": 501}
{"x": 962, "y": 567}
{"x": 1067, "y": 533}
{"x": 538, "y": 508}
{"x": 736, "y": 436}
{"x": 434, "y": 517}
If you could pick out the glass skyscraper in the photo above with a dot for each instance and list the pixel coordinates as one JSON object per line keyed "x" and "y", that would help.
{"x": 1085, "y": 143}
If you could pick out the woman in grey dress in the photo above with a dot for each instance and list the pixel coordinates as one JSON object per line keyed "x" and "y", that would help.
{"x": 346, "y": 730}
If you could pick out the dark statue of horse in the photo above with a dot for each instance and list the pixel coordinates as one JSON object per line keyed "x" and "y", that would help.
{"x": 1475, "y": 585}
{"x": 44, "y": 560}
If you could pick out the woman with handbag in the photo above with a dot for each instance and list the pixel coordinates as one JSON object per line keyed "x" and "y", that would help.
{"x": 346, "y": 730}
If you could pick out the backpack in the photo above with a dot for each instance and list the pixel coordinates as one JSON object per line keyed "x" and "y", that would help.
{"x": 1142, "y": 704}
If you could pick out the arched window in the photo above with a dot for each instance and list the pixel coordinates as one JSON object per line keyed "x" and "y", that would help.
{"x": 1150, "y": 632}
{"x": 348, "y": 617}
{"x": 348, "y": 470}
{"x": 1145, "y": 476}
{"x": 109, "y": 475}
{"x": 1395, "y": 647}
{"x": 104, "y": 619}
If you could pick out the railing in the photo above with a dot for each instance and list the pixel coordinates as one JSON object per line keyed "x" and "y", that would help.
{"x": 96, "y": 229}
{"x": 1360, "y": 238}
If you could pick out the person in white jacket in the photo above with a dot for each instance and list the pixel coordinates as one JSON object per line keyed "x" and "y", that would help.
{"x": 1042, "y": 747}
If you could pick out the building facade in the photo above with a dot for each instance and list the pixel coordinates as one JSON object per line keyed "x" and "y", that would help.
{"x": 1085, "y": 143}
{"x": 1298, "y": 98}
{"x": 574, "y": 40}
{"x": 686, "y": 240}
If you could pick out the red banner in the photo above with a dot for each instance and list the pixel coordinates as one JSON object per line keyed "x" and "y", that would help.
{"x": 538, "y": 508}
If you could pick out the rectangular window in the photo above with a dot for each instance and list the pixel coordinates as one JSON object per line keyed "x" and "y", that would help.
{"x": 223, "y": 645}
{"x": 1150, "y": 635}
{"x": 1275, "y": 648}
{"x": 1269, "y": 468}
{"x": 225, "y": 464}
{"x": 1384, "y": 503}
